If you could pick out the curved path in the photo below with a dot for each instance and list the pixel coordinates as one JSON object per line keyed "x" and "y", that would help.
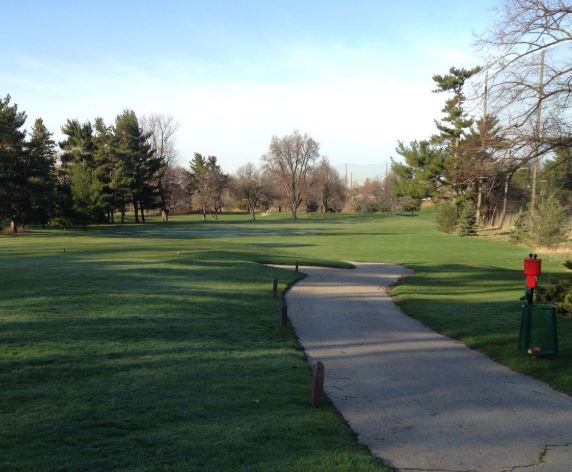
{"x": 419, "y": 400}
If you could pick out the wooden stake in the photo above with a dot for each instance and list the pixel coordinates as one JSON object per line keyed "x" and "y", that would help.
{"x": 284, "y": 315}
{"x": 317, "y": 387}
{"x": 275, "y": 287}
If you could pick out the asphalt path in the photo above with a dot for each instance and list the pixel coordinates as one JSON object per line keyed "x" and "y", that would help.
{"x": 417, "y": 399}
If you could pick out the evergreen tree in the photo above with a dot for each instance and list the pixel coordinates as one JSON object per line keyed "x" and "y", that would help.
{"x": 78, "y": 169}
{"x": 41, "y": 179}
{"x": 455, "y": 123}
{"x": 105, "y": 165}
{"x": 200, "y": 184}
{"x": 138, "y": 167}
{"x": 556, "y": 176}
{"x": 421, "y": 173}
{"x": 468, "y": 219}
{"x": 14, "y": 198}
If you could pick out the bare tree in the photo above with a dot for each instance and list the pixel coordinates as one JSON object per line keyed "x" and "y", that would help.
{"x": 288, "y": 159}
{"x": 327, "y": 186}
{"x": 249, "y": 187}
{"x": 530, "y": 71}
{"x": 161, "y": 130}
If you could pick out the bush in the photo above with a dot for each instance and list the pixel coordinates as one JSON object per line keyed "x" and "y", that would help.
{"x": 519, "y": 234}
{"x": 548, "y": 225}
{"x": 447, "y": 217}
{"x": 410, "y": 205}
{"x": 468, "y": 220}
{"x": 558, "y": 292}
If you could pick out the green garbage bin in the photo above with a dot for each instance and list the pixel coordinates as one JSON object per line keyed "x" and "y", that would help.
{"x": 538, "y": 333}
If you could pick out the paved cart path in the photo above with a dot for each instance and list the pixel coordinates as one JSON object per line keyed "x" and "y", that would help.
{"x": 419, "y": 400}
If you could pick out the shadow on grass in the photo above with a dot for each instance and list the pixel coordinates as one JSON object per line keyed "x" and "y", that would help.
{"x": 452, "y": 299}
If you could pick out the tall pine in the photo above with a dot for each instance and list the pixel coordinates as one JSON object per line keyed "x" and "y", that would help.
{"x": 14, "y": 198}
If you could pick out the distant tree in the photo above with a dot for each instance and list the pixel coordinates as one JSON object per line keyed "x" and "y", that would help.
{"x": 422, "y": 172}
{"x": 176, "y": 184}
{"x": 42, "y": 177}
{"x": 201, "y": 185}
{"x": 105, "y": 169}
{"x": 288, "y": 159}
{"x": 326, "y": 184}
{"x": 162, "y": 130}
{"x": 78, "y": 171}
{"x": 249, "y": 187}
{"x": 140, "y": 165}
{"x": 219, "y": 182}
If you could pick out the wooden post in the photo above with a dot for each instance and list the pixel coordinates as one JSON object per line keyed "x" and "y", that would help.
{"x": 284, "y": 315}
{"x": 296, "y": 266}
{"x": 275, "y": 288}
{"x": 317, "y": 387}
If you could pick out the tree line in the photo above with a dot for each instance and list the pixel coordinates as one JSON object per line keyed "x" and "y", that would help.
{"x": 100, "y": 172}
{"x": 516, "y": 157}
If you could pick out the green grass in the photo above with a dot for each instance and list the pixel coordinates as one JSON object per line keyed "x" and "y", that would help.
{"x": 120, "y": 354}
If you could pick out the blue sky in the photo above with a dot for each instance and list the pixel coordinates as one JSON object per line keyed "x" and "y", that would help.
{"x": 355, "y": 75}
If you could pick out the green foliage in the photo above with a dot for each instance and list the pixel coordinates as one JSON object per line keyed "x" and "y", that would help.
{"x": 556, "y": 176}
{"x": 421, "y": 173}
{"x": 447, "y": 218}
{"x": 519, "y": 234}
{"x": 468, "y": 219}
{"x": 455, "y": 115}
{"x": 558, "y": 291}
{"x": 410, "y": 204}
{"x": 14, "y": 196}
{"x": 42, "y": 179}
{"x": 549, "y": 224}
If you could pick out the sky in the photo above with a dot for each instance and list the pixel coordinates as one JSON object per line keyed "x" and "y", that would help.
{"x": 355, "y": 75}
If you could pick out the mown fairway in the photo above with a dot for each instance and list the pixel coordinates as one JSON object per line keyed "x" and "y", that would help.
{"x": 158, "y": 346}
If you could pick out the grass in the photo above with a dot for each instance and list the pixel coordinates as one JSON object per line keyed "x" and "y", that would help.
{"x": 159, "y": 347}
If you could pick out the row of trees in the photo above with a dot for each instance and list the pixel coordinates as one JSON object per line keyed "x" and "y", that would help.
{"x": 517, "y": 155}
{"x": 99, "y": 172}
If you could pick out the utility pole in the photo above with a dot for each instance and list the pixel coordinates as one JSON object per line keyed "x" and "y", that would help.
{"x": 535, "y": 163}
{"x": 483, "y": 149}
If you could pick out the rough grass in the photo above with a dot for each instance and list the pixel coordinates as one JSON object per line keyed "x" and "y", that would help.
{"x": 158, "y": 346}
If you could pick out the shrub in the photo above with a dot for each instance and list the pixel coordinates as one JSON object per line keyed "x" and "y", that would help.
{"x": 410, "y": 205}
{"x": 468, "y": 220}
{"x": 558, "y": 292}
{"x": 548, "y": 225}
{"x": 519, "y": 234}
{"x": 447, "y": 217}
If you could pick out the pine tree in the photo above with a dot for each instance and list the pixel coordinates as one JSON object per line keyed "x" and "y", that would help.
{"x": 105, "y": 166}
{"x": 468, "y": 220}
{"x": 41, "y": 179}
{"x": 78, "y": 168}
{"x": 455, "y": 123}
{"x": 14, "y": 198}
{"x": 138, "y": 167}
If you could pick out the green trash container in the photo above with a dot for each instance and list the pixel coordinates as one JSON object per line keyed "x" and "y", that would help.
{"x": 538, "y": 333}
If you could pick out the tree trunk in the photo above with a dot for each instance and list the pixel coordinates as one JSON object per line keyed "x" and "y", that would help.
{"x": 136, "y": 210}
{"x": 142, "y": 214}
{"x": 164, "y": 214}
{"x": 13, "y": 226}
{"x": 504, "y": 199}
{"x": 479, "y": 200}
{"x": 204, "y": 214}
